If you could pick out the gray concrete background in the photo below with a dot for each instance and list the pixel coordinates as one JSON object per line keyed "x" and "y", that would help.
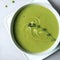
{"x": 55, "y": 4}
{"x": 55, "y": 56}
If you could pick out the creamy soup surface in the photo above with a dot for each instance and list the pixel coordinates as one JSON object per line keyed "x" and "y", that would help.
{"x": 35, "y": 28}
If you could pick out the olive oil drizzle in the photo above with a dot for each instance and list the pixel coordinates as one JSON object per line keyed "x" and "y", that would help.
{"x": 43, "y": 29}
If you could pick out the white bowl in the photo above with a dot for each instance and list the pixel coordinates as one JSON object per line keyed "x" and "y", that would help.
{"x": 48, "y": 6}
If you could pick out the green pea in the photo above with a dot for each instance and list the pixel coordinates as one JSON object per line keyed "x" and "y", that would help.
{"x": 6, "y": 6}
{"x": 13, "y": 1}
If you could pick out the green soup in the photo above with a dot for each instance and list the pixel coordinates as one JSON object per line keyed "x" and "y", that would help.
{"x": 35, "y": 28}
